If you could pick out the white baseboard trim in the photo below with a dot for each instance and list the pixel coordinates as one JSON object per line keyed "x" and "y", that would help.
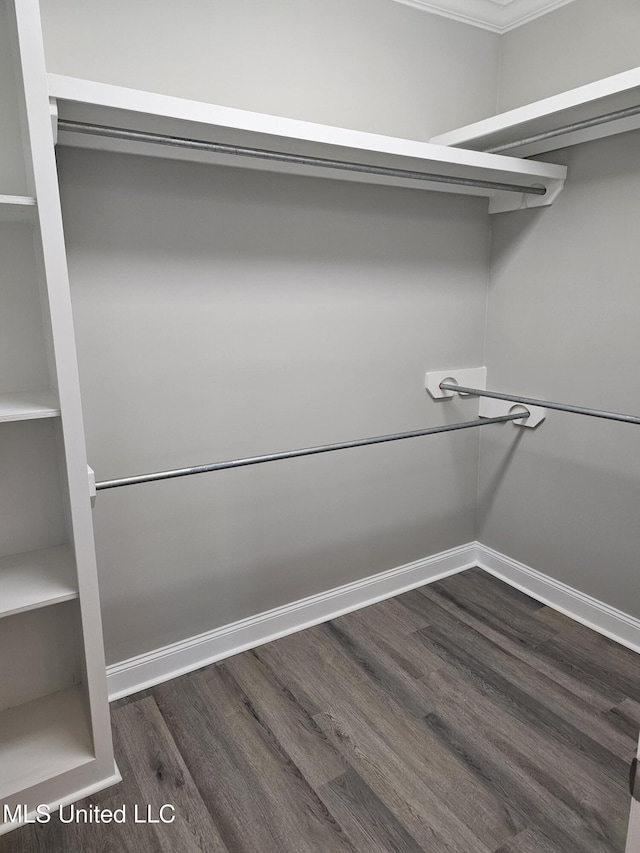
{"x": 159, "y": 665}
{"x": 601, "y": 617}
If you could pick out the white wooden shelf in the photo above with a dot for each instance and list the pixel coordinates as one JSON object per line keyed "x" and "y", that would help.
{"x": 619, "y": 92}
{"x": 17, "y": 208}
{"x": 43, "y": 739}
{"x": 86, "y": 101}
{"x": 28, "y": 405}
{"x": 37, "y": 579}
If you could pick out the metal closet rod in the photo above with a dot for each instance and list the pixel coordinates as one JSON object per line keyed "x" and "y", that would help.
{"x": 281, "y": 157}
{"x": 305, "y": 451}
{"x": 567, "y": 128}
{"x": 529, "y": 401}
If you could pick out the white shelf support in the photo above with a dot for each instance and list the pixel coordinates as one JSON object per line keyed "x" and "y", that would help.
{"x": 53, "y": 110}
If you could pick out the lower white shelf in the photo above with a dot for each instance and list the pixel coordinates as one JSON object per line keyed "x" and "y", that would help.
{"x": 43, "y": 739}
{"x": 16, "y": 208}
{"x": 37, "y": 579}
{"x": 27, "y": 405}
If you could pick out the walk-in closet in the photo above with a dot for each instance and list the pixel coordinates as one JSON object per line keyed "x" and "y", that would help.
{"x": 319, "y": 426}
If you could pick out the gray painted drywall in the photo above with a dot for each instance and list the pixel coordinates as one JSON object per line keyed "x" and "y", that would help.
{"x": 225, "y": 312}
{"x": 573, "y": 45}
{"x": 370, "y": 65}
{"x": 563, "y": 324}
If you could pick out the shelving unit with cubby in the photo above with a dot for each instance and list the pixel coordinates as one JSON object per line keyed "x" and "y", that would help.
{"x": 55, "y": 739}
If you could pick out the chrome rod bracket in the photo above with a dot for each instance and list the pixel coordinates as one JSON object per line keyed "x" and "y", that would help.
{"x": 444, "y": 384}
{"x": 475, "y": 376}
{"x": 532, "y": 416}
{"x": 546, "y": 404}
{"x": 91, "y": 475}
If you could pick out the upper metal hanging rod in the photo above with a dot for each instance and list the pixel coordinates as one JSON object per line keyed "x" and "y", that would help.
{"x": 530, "y": 401}
{"x": 305, "y": 451}
{"x": 281, "y": 157}
{"x": 567, "y": 128}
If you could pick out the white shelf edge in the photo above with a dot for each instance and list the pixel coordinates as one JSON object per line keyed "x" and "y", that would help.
{"x": 27, "y": 405}
{"x": 103, "y": 103}
{"x": 37, "y": 579}
{"x": 591, "y": 95}
{"x": 42, "y": 739}
{"x": 17, "y": 208}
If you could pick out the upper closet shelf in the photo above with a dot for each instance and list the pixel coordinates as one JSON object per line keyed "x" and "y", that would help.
{"x": 599, "y": 109}
{"x": 158, "y": 125}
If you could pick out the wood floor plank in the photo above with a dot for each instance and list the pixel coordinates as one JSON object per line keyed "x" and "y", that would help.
{"x": 412, "y": 803}
{"x": 163, "y": 778}
{"x": 531, "y": 670}
{"x": 389, "y": 617}
{"x": 487, "y": 594}
{"x": 371, "y": 725}
{"x": 366, "y": 820}
{"x": 513, "y": 732}
{"x": 529, "y": 776}
{"x": 504, "y": 658}
{"x": 625, "y": 717}
{"x": 584, "y": 685}
{"x": 590, "y": 662}
{"x": 290, "y": 723}
{"x": 466, "y": 654}
{"x": 530, "y": 841}
{"x": 256, "y": 795}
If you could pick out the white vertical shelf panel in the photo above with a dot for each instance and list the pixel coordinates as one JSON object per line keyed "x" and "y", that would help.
{"x": 55, "y": 734}
{"x": 37, "y": 579}
{"x": 45, "y": 181}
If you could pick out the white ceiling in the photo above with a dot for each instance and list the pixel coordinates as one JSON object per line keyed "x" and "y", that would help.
{"x": 499, "y": 16}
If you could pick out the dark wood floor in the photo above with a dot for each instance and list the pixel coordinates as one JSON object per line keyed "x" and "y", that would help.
{"x": 463, "y": 717}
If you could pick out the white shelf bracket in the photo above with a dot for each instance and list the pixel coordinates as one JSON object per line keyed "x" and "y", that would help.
{"x": 53, "y": 111}
{"x": 91, "y": 474}
{"x": 476, "y": 377}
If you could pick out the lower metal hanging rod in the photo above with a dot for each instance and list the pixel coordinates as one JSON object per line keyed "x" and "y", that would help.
{"x": 567, "y": 128}
{"x": 282, "y": 157}
{"x": 529, "y": 401}
{"x": 305, "y": 451}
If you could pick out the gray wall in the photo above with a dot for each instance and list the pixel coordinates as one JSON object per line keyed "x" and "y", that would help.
{"x": 365, "y": 64}
{"x": 573, "y": 45}
{"x": 222, "y": 313}
{"x": 563, "y": 324}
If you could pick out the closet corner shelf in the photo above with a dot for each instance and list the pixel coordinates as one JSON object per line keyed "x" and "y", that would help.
{"x": 43, "y": 738}
{"x": 613, "y": 97}
{"x": 37, "y": 579}
{"x": 17, "y": 208}
{"x": 131, "y": 110}
{"x": 27, "y": 405}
